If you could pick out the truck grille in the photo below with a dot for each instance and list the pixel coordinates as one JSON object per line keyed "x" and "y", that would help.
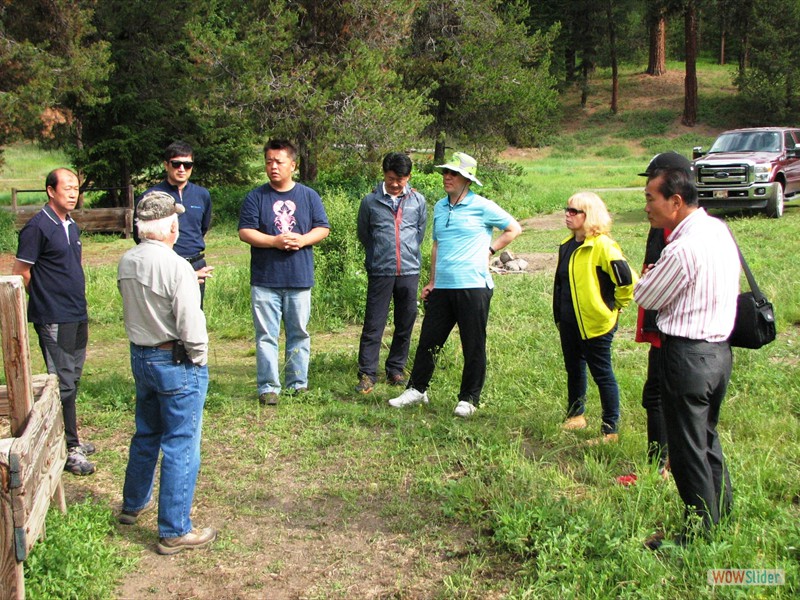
{"x": 722, "y": 175}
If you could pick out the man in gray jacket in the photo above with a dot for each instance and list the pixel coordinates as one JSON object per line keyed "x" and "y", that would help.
{"x": 391, "y": 226}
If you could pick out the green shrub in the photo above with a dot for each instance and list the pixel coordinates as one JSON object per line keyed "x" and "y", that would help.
{"x": 644, "y": 123}
{"x": 341, "y": 282}
{"x": 613, "y": 152}
{"x": 76, "y": 561}
{"x": 227, "y": 201}
{"x": 8, "y": 234}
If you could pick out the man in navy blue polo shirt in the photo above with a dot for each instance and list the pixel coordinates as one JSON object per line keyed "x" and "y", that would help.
{"x": 196, "y": 220}
{"x": 49, "y": 261}
{"x": 282, "y": 221}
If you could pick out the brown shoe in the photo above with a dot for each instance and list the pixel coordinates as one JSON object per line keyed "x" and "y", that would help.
{"x": 196, "y": 538}
{"x": 398, "y": 379}
{"x": 655, "y": 541}
{"x": 574, "y": 423}
{"x": 606, "y": 438}
{"x": 129, "y": 517}
{"x": 268, "y": 399}
{"x": 365, "y": 384}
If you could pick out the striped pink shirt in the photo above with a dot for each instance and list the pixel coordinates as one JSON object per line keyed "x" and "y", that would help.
{"x": 695, "y": 283}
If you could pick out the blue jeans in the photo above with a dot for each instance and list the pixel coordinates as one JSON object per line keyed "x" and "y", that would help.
{"x": 293, "y": 307}
{"x": 596, "y": 353}
{"x": 169, "y": 418}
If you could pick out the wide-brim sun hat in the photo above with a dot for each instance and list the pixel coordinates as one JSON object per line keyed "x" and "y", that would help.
{"x": 464, "y": 165}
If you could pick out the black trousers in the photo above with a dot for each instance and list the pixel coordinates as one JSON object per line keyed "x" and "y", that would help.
{"x": 380, "y": 292}
{"x": 64, "y": 349}
{"x": 651, "y": 402}
{"x": 694, "y": 379}
{"x": 444, "y": 309}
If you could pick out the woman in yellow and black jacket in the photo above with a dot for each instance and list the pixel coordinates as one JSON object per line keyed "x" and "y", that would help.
{"x": 593, "y": 283}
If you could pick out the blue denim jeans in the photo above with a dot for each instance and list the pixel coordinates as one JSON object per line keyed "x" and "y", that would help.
{"x": 169, "y": 418}
{"x": 596, "y": 353}
{"x": 271, "y": 306}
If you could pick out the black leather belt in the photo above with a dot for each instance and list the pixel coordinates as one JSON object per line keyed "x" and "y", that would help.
{"x": 195, "y": 258}
{"x": 165, "y": 346}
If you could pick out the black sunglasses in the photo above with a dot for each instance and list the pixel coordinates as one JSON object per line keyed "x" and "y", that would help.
{"x": 176, "y": 164}
{"x": 450, "y": 172}
{"x": 573, "y": 211}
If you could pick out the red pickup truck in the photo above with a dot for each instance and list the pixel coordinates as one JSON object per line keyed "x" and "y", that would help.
{"x": 750, "y": 168}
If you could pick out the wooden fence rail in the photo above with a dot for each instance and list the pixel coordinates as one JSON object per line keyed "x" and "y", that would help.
{"x": 96, "y": 220}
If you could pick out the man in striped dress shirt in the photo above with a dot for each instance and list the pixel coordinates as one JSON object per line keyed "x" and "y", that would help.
{"x": 693, "y": 286}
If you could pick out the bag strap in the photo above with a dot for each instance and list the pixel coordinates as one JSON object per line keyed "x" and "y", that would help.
{"x": 751, "y": 281}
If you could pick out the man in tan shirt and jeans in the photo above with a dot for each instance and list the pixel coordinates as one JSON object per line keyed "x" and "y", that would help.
{"x": 169, "y": 355}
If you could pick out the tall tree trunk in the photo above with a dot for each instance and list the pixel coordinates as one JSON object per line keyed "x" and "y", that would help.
{"x": 308, "y": 161}
{"x": 612, "y": 43}
{"x": 127, "y": 180}
{"x": 657, "y": 56}
{"x": 570, "y": 64}
{"x": 723, "y": 32}
{"x": 744, "y": 51}
{"x": 690, "y": 83}
{"x": 79, "y": 146}
{"x": 584, "y": 84}
{"x": 439, "y": 148}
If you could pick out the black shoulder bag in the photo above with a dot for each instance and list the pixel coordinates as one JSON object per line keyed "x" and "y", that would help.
{"x": 755, "y": 318}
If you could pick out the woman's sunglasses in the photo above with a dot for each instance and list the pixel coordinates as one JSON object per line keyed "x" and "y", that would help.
{"x": 573, "y": 211}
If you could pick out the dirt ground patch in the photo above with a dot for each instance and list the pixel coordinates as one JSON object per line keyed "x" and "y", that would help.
{"x": 286, "y": 548}
{"x": 282, "y": 543}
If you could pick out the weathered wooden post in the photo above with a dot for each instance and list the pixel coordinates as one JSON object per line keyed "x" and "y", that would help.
{"x": 16, "y": 351}
{"x": 128, "y": 211}
{"x": 32, "y": 459}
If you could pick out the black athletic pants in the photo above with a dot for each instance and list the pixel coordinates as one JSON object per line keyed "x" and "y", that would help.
{"x": 469, "y": 309}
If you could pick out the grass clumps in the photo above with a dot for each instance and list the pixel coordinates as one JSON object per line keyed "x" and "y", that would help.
{"x": 76, "y": 562}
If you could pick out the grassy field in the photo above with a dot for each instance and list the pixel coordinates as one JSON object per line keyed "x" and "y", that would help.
{"x": 25, "y": 168}
{"x": 336, "y": 495}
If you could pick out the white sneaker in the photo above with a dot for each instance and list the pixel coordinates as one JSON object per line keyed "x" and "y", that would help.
{"x": 464, "y": 409}
{"x": 408, "y": 398}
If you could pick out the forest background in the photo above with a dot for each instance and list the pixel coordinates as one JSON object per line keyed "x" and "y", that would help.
{"x": 112, "y": 82}
{"x": 336, "y": 495}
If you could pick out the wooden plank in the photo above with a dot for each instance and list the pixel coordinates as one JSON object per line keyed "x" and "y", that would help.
{"x": 16, "y": 351}
{"x": 25, "y": 457}
{"x": 98, "y": 220}
{"x": 12, "y": 582}
{"x": 38, "y": 382}
{"x": 37, "y": 461}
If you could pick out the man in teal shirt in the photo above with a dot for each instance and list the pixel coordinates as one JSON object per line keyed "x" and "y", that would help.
{"x": 460, "y": 288}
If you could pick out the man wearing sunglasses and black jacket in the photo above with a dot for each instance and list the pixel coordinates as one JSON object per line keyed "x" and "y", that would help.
{"x": 196, "y": 220}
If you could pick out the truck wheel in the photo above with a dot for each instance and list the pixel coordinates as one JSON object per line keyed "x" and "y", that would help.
{"x": 774, "y": 208}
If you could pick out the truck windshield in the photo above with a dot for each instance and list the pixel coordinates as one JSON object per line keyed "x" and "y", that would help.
{"x": 747, "y": 141}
